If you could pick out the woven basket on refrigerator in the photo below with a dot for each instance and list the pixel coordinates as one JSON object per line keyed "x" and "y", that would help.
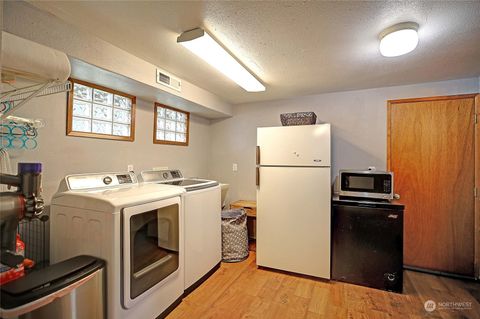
{"x": 298, "y": 118}
{"x": 234, "y": 235}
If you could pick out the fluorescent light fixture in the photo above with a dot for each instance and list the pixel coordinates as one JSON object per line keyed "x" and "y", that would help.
{"x": 399, "y": 39}
{"x": 202, "y": 44}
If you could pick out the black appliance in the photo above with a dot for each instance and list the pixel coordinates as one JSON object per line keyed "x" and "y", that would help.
{"x": 367, "y": 243}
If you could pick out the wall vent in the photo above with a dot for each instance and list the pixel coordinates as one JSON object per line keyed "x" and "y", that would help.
{"x": 168, "y": 80}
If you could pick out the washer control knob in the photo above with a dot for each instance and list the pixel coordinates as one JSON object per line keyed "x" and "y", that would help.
{"x": 391, "y": 277}
{"x": 107, "y": 180}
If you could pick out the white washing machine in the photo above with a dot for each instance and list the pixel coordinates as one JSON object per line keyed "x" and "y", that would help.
{"x": 203, "y": 228}
{"x": 136, "y": 228}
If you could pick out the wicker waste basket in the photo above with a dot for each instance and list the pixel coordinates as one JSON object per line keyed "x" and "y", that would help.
{"x": 234, "y": 235}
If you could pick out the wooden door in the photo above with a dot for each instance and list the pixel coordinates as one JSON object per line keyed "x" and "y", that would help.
{"x": 431, "y": 150}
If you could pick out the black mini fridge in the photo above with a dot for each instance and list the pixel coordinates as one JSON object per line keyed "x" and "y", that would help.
{"x": 367, "y": 243}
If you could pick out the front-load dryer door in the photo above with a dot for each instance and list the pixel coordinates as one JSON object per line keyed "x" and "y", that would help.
{"x": 151, "y": 247}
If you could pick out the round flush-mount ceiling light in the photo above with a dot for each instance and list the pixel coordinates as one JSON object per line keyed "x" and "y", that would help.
{"x": 399, "y": 39}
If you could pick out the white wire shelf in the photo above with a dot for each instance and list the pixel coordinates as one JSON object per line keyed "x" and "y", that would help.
{"x": 24, "y": 93}
{"x": 14, "y": 99}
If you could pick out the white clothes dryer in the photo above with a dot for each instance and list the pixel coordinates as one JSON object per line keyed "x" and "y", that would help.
{"x": 136, "y": 228}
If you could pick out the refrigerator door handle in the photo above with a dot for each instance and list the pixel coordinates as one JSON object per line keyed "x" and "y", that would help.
{"x": 258, "y": 155}
{"x": 257, "y": 176}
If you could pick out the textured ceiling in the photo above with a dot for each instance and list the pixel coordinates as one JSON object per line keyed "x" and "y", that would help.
{"x": 295, "y": 48}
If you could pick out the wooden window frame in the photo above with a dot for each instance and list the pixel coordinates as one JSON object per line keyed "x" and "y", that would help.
{"x": 71, "y": 132}
{"x": 155, "y": 141}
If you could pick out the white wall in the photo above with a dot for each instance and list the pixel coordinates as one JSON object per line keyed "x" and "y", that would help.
{"x": 358, "y": 121}
{"x": 62, "y": 155}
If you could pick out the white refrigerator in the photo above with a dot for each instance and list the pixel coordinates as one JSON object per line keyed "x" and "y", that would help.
{"x": 293, "y": 199}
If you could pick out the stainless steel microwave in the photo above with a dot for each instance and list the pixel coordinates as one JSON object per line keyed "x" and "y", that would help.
{"x": 366, "y": 184}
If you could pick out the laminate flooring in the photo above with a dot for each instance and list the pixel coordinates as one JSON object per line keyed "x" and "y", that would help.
{"x": 241, "y": 290}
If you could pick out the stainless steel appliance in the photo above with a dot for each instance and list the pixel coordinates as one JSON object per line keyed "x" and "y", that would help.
{"x": 72, "y": 289}
{"x": 366, "y": 184}
{"x": 367, "y": 243}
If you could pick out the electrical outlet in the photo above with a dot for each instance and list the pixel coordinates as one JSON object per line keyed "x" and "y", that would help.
{"x": 234, "y": 167}
{"x": 130, "y": 167}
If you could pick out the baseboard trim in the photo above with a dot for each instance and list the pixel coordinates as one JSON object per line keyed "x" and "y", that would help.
{"x": 201, "y": 280}
{"x": 170, "y": 308}
{"x": 439, "y": 273}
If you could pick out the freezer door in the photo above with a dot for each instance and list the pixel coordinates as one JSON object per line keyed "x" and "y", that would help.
{"x": 293, "y": 219}
{"x": 303, "y": 145}
{"x": 359, "y": 255}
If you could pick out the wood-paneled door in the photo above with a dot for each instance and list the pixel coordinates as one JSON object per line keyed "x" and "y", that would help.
{"x": 431, "y": 150}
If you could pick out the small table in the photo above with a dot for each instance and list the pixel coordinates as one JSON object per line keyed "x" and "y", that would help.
{"x": 250, "y": 207}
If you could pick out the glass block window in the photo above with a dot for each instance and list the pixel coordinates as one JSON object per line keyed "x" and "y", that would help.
{"x": 95, "y": 111}
{"x": 170, "y": 126}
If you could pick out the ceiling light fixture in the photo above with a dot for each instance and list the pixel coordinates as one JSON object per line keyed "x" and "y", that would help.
{"x": 399, "y": 39}
{"x": 202, "y": 44}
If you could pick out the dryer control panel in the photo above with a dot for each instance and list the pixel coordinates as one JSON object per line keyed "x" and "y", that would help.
{"x": 100, "y": 180}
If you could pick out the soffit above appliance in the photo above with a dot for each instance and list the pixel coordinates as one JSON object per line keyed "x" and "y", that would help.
{"x": 143, "y": 90}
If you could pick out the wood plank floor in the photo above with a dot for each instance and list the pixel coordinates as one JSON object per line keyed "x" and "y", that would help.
{"x": 240, "y": 290}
